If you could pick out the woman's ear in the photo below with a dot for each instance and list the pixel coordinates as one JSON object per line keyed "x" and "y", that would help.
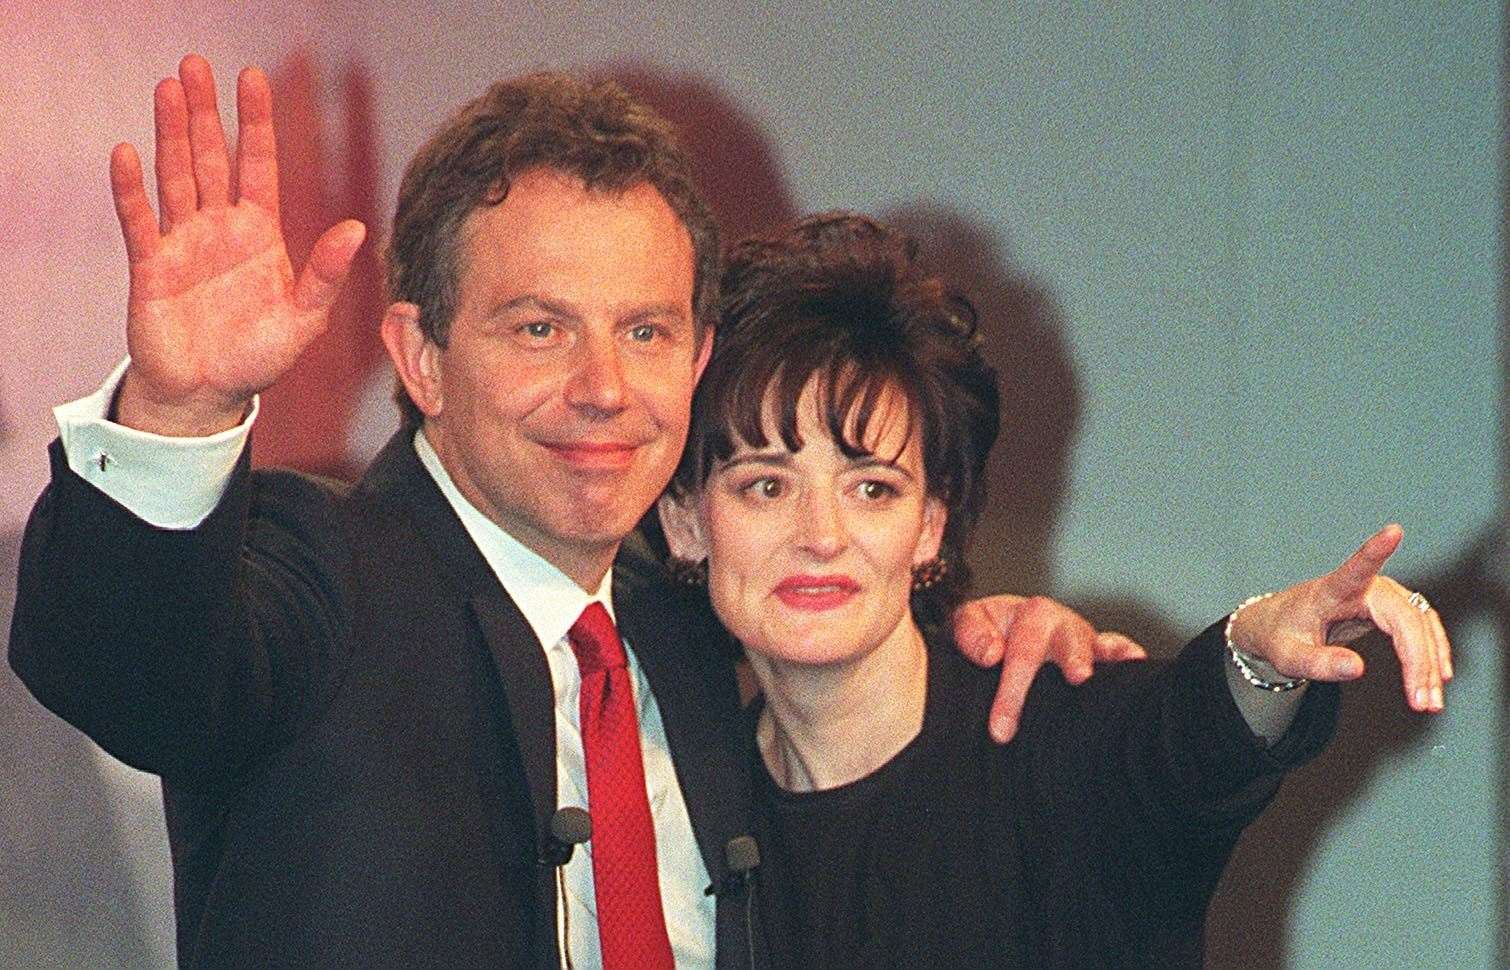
{"x": 683, "y": 527}
{"x": 935, "y": 516}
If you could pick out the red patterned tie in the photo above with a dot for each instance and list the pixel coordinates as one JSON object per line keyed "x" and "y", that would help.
{"x": 631, "y": 926}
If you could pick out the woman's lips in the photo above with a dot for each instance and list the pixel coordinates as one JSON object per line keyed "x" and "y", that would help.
{"x": 816, "y": 592}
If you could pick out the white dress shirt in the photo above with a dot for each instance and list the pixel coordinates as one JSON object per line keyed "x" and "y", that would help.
{"x": 175, "y": 483}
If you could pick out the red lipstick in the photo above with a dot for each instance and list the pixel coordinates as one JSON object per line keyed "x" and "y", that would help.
{"x": 816, "y": 593}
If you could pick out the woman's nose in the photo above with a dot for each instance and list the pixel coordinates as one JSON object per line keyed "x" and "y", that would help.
{"x": 823, "y": 529}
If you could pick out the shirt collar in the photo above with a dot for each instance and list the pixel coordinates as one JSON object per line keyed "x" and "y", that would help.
{"x": 549, "y": 600}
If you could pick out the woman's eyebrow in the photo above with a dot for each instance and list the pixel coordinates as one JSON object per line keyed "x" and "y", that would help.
{"x": 871, "y": 460}
{"x": 765, "y": 456}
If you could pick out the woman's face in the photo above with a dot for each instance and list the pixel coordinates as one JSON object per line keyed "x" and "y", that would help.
{"x": 810, "y": 553}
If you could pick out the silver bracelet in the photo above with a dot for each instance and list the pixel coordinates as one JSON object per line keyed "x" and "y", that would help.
{"x": 1244, "y": 662}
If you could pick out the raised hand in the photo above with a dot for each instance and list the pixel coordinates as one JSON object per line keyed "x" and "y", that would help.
{"x": 1296, "y": 630}
{"x": 1022, "y": 633}
{"x": 216, "y": 313}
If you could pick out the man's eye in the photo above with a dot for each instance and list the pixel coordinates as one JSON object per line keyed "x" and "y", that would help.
{"x": 538, "y": 330}
{"x": 644, "y": 333}
{"x": 875, "y": 490}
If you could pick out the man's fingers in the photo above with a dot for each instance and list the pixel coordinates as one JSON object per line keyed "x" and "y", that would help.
{"x": 172, "y": 158}
{"x": 1354, "y": 576}
{"x": 1112, "y": 647}
{"x": 256, "y": 144}
{"x": 1016, "y": 677}
{"x": 981, "y": 625}
{"x": 138, "y": 224}
{"x": 320, "y": 282}
{"x": 212, "y": 163}
{"x": 1072, "y": 645}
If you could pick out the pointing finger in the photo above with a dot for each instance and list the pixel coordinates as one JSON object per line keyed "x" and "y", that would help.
{"x": 1112, "y": 646}
{"x": 1353, "y": 577}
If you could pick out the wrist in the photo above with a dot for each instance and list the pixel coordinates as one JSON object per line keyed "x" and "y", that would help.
{"x": 192, "y": 416}
{"x": 1254, "y": 669}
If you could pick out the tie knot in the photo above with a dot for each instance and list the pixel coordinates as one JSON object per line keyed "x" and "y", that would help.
{"x": 595, "y": 641}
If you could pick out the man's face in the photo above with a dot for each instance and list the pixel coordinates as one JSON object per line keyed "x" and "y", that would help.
{"x": 564, "y": 391}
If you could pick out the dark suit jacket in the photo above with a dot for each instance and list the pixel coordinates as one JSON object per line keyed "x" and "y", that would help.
{"x": 352, "y": 721}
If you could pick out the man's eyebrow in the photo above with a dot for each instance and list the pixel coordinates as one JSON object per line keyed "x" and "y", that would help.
{"x": 530, "y": 301}
{"x": 655, "y": 311}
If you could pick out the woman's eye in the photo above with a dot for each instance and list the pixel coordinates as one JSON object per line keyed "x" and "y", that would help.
{"x": 766, "y": 487}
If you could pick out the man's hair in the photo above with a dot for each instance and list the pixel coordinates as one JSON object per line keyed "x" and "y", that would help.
{"x": 841, "y": 299}
{"x": 594, "y": 131}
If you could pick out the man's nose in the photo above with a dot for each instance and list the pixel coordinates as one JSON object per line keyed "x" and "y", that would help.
{"x": 597, "y": 380}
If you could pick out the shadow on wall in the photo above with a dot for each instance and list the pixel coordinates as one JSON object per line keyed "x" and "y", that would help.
{"x": 69, "y": 893}
{"x": 1025, "y": 334}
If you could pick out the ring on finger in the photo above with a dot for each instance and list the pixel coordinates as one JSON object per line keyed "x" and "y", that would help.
{"x": 1418, "y": 601}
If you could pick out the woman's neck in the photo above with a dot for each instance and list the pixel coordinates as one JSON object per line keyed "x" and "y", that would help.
{"x": 826, "y": 726}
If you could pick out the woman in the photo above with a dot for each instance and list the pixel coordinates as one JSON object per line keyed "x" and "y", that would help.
{"x": 831, "y": 479}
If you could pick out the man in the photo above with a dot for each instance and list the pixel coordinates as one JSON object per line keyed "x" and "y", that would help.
{"x": 367, "y": 704}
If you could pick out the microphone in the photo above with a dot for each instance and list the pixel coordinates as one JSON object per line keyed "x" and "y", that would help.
{"x": 741, "y": 859}
{"x": 743, "y": 856}
{"x": 569, "y": 828}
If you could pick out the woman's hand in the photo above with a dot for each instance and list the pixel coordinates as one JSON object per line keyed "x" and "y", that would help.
{"x": 1296, "y": 630}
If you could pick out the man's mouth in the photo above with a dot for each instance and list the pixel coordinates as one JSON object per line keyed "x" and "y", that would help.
{"x": 594, "y": 455}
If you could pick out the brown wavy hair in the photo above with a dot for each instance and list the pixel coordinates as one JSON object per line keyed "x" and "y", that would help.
{"x": 592, "y": 130}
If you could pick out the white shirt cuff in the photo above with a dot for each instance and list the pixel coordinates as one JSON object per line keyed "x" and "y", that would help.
{"x": 172, "y": 483}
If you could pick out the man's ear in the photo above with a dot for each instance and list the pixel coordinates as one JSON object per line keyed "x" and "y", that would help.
{"x": 935, "y": 516}
{"x": 683, "y": 527}
{"x": 416, "y": 358}
{"x": 704, "y": 351}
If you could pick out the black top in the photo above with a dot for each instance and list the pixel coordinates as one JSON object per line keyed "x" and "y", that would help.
{"x": 1094, "y": 839}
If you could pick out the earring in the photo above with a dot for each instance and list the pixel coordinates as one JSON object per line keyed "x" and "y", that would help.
{"x": 926, "y": 575}
{"x": 685, "y": 572}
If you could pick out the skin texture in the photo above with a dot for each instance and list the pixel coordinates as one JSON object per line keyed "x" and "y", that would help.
{"x": 1294, "y": 631}
{"x": 560, "y": 403}
{"x": 810, "y": 557}
{"x": 217, "y": 313}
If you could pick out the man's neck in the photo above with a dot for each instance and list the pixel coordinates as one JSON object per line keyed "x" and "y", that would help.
{"x": 584, "y": 565}
{"x": 826, "y": 726}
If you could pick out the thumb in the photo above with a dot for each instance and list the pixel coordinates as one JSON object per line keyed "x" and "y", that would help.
{"x": 329, "y": 261}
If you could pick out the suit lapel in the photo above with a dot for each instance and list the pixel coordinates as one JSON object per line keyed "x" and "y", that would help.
{"x": 694, "y": 687}
{"x": 511, "y": 642}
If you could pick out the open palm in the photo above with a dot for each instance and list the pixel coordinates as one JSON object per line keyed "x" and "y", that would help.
{"x": 216, "y": 312}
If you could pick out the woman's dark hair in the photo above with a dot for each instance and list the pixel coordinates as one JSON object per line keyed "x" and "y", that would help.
{"x": 841, "y": 298}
